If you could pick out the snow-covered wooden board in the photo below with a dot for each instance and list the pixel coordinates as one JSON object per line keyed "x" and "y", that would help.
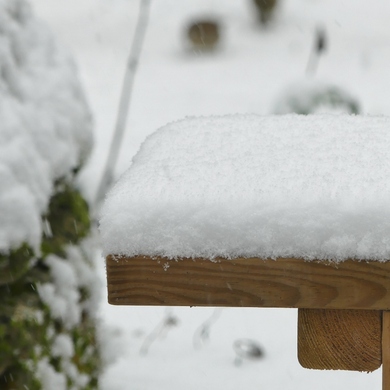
{"x": 340, "y": 304}
{"x": 311, "y": 187}
{"x": 248, "y": 211}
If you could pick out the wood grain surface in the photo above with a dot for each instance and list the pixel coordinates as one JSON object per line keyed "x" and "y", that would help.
{"x": 340, "y": 339}
{"x": 248, "y": 282}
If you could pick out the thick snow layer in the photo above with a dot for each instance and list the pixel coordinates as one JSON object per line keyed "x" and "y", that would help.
{"x": 45, "y": 126}
{"x": 246, "y": 185}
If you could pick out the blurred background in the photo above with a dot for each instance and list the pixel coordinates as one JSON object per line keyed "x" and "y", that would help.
{"x": 251, "y": 68}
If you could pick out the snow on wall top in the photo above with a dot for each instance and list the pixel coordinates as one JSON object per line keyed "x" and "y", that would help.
{"x": 245, "y": 185}
{"x": 45, "y": 126}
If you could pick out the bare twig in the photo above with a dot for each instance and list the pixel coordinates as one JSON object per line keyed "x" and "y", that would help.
{"x": 319, "y": 47}
{"x": 167, "y": 322}
{"x": 202, "y": 333}
{"x": 124, "y": 104}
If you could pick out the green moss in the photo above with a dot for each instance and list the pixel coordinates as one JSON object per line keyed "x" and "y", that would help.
{"x": 19, "y": 378}
{"x": 15, "y": 264}
{"x": 19, "y": 330}
{"x": 24, "y": 341}
{"x": 67, "y": 220}
{"x": 86, "y": 357}
{"x": 17, "y": 340}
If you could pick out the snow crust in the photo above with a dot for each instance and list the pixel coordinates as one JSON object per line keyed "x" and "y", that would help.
{"x": 246, "y": 185}
{"x": 45, "y": 126}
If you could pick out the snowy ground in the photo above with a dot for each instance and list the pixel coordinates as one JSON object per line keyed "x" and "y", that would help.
{"x": 246, "y": 75}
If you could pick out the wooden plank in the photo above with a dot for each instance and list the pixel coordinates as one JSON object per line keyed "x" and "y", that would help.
{"x": 251, "y": 282}
{"x": 386, "y": 351}
{"x": 340, "y": 339}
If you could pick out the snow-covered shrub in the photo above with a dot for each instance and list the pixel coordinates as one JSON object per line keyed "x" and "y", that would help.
{"x": 312, "y": 97}
{"x": 48, "y": 290}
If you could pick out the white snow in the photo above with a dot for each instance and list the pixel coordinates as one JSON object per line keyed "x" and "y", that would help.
{"x": 256, "y": 186}
{"x": 49, "y": 377}
{"x": 247, "y": 74}
{"x": 79, "y": 257}
{"x": 63, "y": 346}
{"x": 45, "y": 126}
{"x": 62, "y": 296}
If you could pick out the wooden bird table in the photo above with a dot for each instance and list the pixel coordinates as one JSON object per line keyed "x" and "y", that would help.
{"x": 241, "y": 211}
{"x": 343, "y": 317}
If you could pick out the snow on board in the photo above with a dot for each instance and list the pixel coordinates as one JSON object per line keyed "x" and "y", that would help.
{"x": 312, "y": 187}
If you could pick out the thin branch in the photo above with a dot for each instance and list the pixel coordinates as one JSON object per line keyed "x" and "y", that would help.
{"x": 320, "y": 44}
{"x": 167, "y": 322}
{"x": 202, "y": 333}
{"x": 125, "y": 99}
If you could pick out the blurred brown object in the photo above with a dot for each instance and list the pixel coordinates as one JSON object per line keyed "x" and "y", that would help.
{"x": 266, "y": 9}
{"x": 204, "y": 34}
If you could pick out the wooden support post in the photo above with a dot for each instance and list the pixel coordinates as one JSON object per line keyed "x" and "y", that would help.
{"x": 386, "y": 350}
{"x": 340, "y": 339}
